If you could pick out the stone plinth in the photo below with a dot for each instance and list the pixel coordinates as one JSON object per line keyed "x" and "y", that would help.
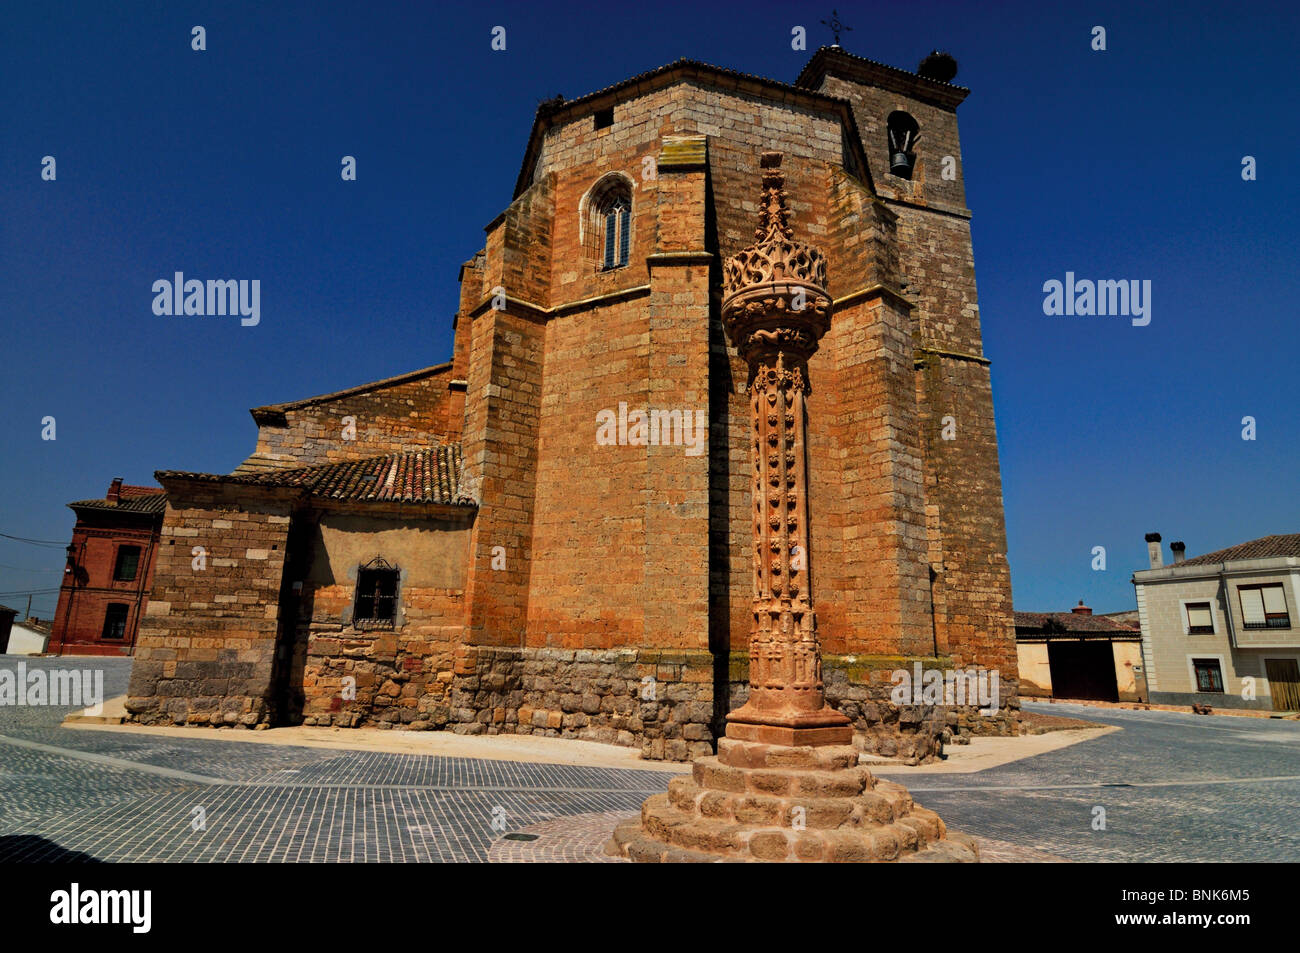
{"x": 758, "y": 802}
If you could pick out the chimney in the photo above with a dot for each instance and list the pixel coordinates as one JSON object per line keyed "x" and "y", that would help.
{"x": 114, "y": 490}
{"x": 1153, "y": 550}
{"x": 1081, "y": 609}
{"x": 1179, "y": 550}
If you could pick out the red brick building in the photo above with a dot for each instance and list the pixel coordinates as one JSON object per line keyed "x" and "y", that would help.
{"x": 109, "y": 571}
{"x": 552, "y": 532}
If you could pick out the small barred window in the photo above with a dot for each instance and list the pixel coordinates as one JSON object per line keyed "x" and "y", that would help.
{"x": 376, "y": 597}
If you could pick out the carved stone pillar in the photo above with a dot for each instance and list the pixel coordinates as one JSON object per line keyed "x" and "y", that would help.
{"x": 775, "y": 311}
{"x": 786, "y": 783}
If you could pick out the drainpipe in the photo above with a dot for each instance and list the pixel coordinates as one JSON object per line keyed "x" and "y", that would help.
{"x": 1227, "y": 607}
{"x": 154, "y": 538}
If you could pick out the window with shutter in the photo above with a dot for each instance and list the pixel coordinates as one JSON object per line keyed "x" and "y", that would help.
{"x": 1199, "y": 619}
{"x": 1264, "y": 607}
{"x": 1275, "y": 613}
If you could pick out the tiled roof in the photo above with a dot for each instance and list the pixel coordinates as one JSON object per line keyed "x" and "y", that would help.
{"x": 1262, "y": 548}
{"x": 431, "y": 475}
{"x": 144, "y": 500}
{"x": 127, "y": 489}
{"x": 1074, "y": 622}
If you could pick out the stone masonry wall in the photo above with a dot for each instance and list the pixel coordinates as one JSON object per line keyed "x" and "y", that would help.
{"x": 397, "y": 677}
{"x": 400, "y": 678}
{"x": 206, "y": 648}
{"x": 662, "y": 701}
{"x": 406, "y": 415}
{"x": 963, "y": 491}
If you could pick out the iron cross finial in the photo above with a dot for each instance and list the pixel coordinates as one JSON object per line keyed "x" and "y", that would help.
{"x": 836, "y": 25}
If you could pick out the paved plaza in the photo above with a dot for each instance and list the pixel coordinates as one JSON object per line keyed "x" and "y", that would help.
{"x": 1173, "y": 788}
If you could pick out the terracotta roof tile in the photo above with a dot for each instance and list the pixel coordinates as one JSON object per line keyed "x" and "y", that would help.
{"x": 431, "y": 475}
{"x": 145, "y": 500}
{"x": 1075, "y": 622}
{"x": 1263, "y": 548}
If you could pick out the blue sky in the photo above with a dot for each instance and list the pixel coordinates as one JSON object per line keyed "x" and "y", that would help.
{"x": 225, "y": 163}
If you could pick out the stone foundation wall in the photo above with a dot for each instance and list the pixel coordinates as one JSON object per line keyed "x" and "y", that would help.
{"x": 602, "y": 696}
{"x": 861, "y": 688}
{"x": 380, "y": 678}
{"x": 659, "y": 701}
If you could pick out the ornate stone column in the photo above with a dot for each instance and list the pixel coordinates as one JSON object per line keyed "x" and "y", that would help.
{"x": 775, "y": 311}
{"x": 786, "y": 783}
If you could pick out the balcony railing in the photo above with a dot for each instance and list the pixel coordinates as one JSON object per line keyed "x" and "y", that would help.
{"x": 1276, "y": 622}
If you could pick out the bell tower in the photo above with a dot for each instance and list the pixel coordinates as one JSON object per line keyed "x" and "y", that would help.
{"x": 907, "y": 122}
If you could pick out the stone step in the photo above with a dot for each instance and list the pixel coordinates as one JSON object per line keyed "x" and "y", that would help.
{"x": 898, "y": 795}
{"x": 786, "y": 782}
{"x": 866, "y": 810}
{"x": 664, "y": 822}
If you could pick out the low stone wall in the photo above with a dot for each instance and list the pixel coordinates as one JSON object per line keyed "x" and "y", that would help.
{"x": 663, "y": 701}
{"x": 660, "y": 701}
{"x": 861, "y": 687}
{"x": 377, "y": 678}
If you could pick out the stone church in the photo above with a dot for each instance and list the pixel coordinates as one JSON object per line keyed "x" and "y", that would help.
{"x": 551, "y": 532}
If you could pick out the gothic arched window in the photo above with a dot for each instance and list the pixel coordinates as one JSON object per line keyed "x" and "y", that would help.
{"x": 608, "y": 222}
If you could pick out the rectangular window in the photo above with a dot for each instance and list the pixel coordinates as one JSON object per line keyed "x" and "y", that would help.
{"x": 128, "y": 563}
{"x": 115, "y": 621}
{"x": 376, "y": 605}
{"x": 1209, "y": 677}
{"x": 604, "y": 118}
{"x": 1263, "y": 607}
{"x": 1199, "y": 619}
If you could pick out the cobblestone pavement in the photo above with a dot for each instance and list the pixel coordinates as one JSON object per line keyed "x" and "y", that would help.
{"x": 1191, "y": 788}
{"x": 1173, "y": 787}
{"x": 104, "y": 795}
{"x": 581, "y": 838}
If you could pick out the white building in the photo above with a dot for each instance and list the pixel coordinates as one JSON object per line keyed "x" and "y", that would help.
{"x": 1223, "y": 629}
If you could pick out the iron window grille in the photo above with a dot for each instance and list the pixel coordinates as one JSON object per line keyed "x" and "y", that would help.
{"x": 376, "y": 596}
{"x": 1209, "y": 677}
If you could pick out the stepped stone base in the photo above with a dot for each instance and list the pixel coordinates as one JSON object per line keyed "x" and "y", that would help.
{"x": 762, "y": 802}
